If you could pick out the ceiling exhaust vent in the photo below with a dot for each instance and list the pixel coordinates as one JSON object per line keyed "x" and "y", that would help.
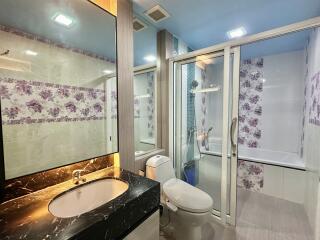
{"x": 138, "y": 25}
{"x": 157, "y": 13}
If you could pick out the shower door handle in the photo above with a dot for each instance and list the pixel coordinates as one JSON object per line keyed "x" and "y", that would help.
{"x": 232, "y": 130}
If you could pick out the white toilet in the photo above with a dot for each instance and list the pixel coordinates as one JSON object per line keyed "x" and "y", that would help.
{"x": 189, "y": 206}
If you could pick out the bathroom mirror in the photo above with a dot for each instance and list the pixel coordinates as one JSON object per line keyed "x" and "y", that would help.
{"x": 58, "y": 84}
{"x": 145, "y": 85}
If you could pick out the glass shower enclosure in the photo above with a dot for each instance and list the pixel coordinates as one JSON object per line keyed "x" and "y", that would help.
{"x": 205, "y": 110}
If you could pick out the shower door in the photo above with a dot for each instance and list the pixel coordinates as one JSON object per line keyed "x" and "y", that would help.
{"x": 205, "y": 126}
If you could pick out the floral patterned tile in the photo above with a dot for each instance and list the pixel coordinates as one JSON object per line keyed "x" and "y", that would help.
{"x": 26, "y": 102}
{"x": 250, "y": 97}
{"x": 314, "y": 111}
{"x": 250, "y": 175}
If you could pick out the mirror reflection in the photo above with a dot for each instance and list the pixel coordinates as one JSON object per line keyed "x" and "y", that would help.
{"x": 58, "y": 84}
{"x": 145, "y": 85}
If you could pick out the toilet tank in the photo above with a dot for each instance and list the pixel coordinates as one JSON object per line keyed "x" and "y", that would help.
{"x": 160, "y": 168}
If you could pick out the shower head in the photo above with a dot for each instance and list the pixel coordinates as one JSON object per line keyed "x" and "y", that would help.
{"x": 194, "y": 84}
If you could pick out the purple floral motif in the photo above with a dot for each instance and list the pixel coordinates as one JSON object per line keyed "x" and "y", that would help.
{"x": 12, "y": 112}
{"x": 245, "y": 129}
{"x": 258, "y": 110}
{"x": 79, "y": 96}
{"x": 254, "y": 99}
{"x": 255, "y": 75}
{"x": 85, "y": 111}
{"x": 242, "y": 96}
{"x": 92, "y": 94}
{"x": 71, "y": 107}
{"x": 247, "y": 184}
{"x": 253, "y": 169}
{"x": 4, "y": 92}
{"x": 46, "y": 95}
{"x": 97, "y": 107}
{"x": 241, "y": 140}
{"x": 246, "y": 107}
{"x": 247, "y": 84}
{"x": 259, "y": 87}
{"x": 23, "y": 88}
{"x": 54, "y": 112}
{"x": 314, "y": 110}
{"x": 242, "y": 118}
{"x": 257, "y": 134}
{"x": 243, "y": 73}
{"x": 253, "y": 144}
{"x": 63, "y": 92}
{"x": 34, "y": 105}
{"x": 253, "y": 122}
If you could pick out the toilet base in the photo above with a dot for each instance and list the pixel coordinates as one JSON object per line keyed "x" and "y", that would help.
{"x": 187, "y": 232}
{"x": 188, "y": 226}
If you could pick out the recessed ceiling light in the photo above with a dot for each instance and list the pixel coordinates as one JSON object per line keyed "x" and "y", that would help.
{"x": 63, "y": 20}
{"x": 107, "y": 71}
{"x": 150, "y": 58}
{"x": 238, "y": 32}
{"x": 31, "y": 53}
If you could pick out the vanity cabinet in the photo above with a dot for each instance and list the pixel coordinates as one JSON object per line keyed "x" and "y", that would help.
{"x": 148, "y": 230}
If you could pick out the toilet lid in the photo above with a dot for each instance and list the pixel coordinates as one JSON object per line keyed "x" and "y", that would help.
{"x": 187, "y": 197}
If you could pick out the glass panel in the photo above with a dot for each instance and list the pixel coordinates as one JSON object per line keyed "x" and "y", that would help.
{"x": 58, "y": 84}
{"x": 200, "y": 122}
{"x": 279, "y": 118}
{"x": 144, "y": 112}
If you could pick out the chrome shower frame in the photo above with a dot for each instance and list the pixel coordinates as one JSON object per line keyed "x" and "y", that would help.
{"x": 225, "y": 49}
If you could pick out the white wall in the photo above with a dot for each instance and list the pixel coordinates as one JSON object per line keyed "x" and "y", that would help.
{"x": 284, "y": 183}
{"x": 282, "y": 102}
{"x": 312, "y": 139}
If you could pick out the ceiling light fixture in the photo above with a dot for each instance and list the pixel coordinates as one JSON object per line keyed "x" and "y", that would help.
{"x": 236, "y": 33}
{"x": 150, "y": 58}
{"x": 63, "y": 20}
{"x": 31, "y": 53}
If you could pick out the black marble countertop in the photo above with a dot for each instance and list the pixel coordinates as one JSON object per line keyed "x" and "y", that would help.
{"x": 28, "y": 217}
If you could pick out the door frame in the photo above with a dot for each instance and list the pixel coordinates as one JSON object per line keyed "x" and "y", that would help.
{"x": 221, "y": 215}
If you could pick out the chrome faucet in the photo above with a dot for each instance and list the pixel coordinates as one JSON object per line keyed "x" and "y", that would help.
{"x": 76, "y": 176}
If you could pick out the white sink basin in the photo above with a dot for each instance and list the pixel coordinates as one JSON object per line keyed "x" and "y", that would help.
{"x": 86, "y": 197}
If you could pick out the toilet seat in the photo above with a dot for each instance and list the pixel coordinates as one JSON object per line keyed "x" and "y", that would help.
{"x": 186, "y": 196}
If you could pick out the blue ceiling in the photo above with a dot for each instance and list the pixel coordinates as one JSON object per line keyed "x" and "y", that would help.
{"x": 203, "y": 23}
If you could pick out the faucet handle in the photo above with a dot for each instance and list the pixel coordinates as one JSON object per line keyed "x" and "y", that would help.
{"x": 76, "y": 176}
{"x": 77, "y": 171}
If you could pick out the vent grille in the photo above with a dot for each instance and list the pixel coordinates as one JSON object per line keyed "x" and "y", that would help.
{"x": 138, "y": 25}
{"x": 157, "y": 13}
